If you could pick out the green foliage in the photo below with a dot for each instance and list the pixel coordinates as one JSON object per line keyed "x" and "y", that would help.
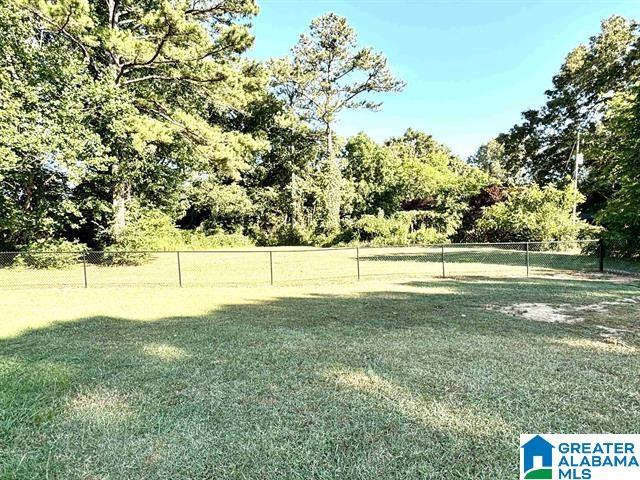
{"x": 167, "y": 83}
{"x": 43, "y": 135}
{"x": 621, "y": 214}
{"x": 374, "y": 172}
{"x": 426, "y": 236}
{"x": 585, "y": 97}
{"x": 429, "y": 169}
{"x": 413, "y": 173}
{"x": 398, "y": 229}
{"x": 325, "y": 75}
{"x": 153, "y": 230}
{"x": 331, "y": 189}
{"x": 120, "y": 120}
{"x": 533, "y": 214}
{"x": 489, "y": 195}
{"x": 490, "y": 158}
{"x": 378, "y": 231}
{"x": 588, "y": 78}
{"x": 148, "y": 230}
{"x": 50, "y": 254}
{"x": 221, "y": 206}
{"x": 283, "y": 182}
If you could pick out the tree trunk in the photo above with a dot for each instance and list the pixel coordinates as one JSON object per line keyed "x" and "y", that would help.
{"x": 295, "y": 202}
{"x": 121, "y": 197}
{"x": 329, "y": 135}
{"x": 119, "y": 212}
{"x": 333, "y": 190}
{"x": 28, "y": 193}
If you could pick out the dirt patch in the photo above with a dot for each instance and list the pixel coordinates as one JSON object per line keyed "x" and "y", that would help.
{"x": 561, "y": 313}
{"x": 540, "y": 312}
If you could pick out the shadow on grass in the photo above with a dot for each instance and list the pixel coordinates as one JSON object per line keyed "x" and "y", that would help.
{"x": 485, "y": 256}
{"x": 421, "y": 383}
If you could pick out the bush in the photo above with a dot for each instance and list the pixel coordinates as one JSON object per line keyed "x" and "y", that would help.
{"x": 621, "y": 244}
{"x": 405, "y": 228}
{"x": 198, "y": 240}
{"x": 427, "y": 236}
{"x": 145, "y": 230}
{"x": 50, "y": 254}
{"x": 152, "y": 230}
{"x": 114, "y": 256}
{"x": 533, "y": 214}
{"x": 488, "y": 196}
{"x": 381, "y": 231}
{"x": 148, "y": 230}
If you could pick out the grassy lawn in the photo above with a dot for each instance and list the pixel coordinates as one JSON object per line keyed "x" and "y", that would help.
{"x": 414, "y": 378}
{"x": 293, "y": 266}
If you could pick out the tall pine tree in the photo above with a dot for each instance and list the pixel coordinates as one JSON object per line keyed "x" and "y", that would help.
{"x": 326, "y": 74}
{"x": 168, "y": 78}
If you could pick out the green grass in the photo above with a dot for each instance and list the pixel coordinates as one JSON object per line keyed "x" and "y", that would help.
{"x": 417, "y": 378}
{"x": 295, "y": 266}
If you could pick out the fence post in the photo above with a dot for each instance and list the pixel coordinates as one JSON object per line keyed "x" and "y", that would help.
{"x": 179, "y": 269}
{"x": 358, "y": 260}
{"x": 601, "y": 249}
{"x": 84, "y": 268}
{"x": 527, "y": 259}
{"x": 271, "y": 265}
{"x": 442, "y": 258}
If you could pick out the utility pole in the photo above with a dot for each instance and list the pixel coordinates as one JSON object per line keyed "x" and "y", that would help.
{"x": 578, "y": 162}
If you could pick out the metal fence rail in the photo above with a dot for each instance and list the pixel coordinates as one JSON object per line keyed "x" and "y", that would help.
{"x": 302, "y": 265}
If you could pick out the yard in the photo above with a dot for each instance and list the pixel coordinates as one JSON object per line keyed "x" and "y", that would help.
{"x": 400, "y": 379}
{"x": 293, "y": 266}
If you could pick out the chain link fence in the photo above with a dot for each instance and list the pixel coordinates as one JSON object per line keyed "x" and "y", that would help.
{"x": 262, "y": 266}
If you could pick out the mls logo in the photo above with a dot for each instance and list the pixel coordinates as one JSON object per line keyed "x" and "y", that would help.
{"x": 536, "y": 458}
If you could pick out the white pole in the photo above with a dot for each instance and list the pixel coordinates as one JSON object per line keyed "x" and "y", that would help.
{"x": 575, "y": 177}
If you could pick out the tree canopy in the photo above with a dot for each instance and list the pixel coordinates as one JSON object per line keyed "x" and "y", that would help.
{"x": 133, "y": 124}
{"x": 593, "y": 94}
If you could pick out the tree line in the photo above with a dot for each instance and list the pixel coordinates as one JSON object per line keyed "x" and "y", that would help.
{"x": 142, "y": 125}
{"x": 595, "y": 94}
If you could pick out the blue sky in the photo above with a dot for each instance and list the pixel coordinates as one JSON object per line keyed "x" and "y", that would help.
{"x": 471, "y": 66}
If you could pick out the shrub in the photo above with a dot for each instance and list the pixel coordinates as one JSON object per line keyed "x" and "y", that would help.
{"x": 381, "y": 231}
{"x": 145, "y": 230}
{"x": 148, "y": 230}
{"x": 198, "y": 240}
{"x": 621, "y": 244}
{"x": 114, "y": 256}
{"x": 50, "y": 254}
{"x": 427, "y": 236}
{"x": 152, "y": 230}
{"x": 533, "y": 214}
{"x": 404, "y": 228}
{"x": 488, "y": 196}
